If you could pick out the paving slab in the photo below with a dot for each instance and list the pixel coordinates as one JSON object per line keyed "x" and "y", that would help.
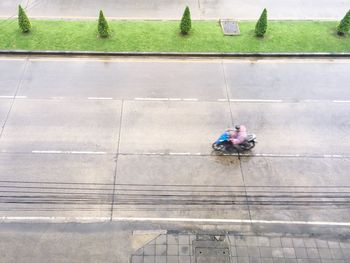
{"x": 56, "y": 185}
{"x": 179, "y": 186}
{"x": 296, "y": 128}
{"x": 288, "y": 80}
{"x": 297, "y": 189}
{"x": 62, "y": 125}
{"x": 165, "y": 127}
{"x": 123, "y": 79}
{"x": 11, "y": 72}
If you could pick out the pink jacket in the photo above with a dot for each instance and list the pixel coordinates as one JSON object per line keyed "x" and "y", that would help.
{"x": 238, "y": 137}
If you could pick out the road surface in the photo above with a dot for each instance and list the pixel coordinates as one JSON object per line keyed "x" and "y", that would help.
{"x": 109, "y": 139}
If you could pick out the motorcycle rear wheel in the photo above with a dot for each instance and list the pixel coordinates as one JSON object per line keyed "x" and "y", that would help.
{"x": 251, "y": 146}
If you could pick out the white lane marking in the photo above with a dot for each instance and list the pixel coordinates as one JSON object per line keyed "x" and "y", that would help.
{"x": 341, "y": 101}
{"x": 70, "y": 152}
{"x": 171, "y": 153}
{"x": 155, "y": 99}
{"x": 334, "y": 156}
{"x": 52, "y": 219}
{"x": 100, "y": 98}
{"x": 86, "y": 152}
{"x": 162, "y": 219}
{"x": 166, "y": 99}
{"x": 337, "y": 156}
{"x": 251, "y": 100}
{"x": 277, "y": 155}
{"x": 192, "y": 99}
{"x": 13, "y": 97}
{"x": 47, "y": 151}
{"x": 244, "y": 221}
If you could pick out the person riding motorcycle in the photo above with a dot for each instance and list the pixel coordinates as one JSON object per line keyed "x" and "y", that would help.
{"x": 238, "y": 135}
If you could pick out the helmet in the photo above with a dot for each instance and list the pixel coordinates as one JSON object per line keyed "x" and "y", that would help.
{"x": 237, "y": 127}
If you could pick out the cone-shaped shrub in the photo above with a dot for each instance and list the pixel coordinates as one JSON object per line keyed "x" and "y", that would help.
{"x": 103, "y": 28}
{"x": 261, "y": 25}
{"x": 23, "y": 21}
{"x": 344, "y": 25}
{"x": 185, "y": 25}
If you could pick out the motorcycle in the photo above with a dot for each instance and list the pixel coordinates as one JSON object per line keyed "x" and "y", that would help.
{"x": 223, "y": 144}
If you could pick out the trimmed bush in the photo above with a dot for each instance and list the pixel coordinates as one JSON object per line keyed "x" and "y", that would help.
{"x": 185, "y": 25}
{"x": 261, "y": 25}
{"x": 344, "y": 25}
{"x": 23, "y": 21}
{"x": 103, "y": 28}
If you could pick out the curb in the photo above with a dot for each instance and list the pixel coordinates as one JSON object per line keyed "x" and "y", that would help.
{"x": 171, "y": 54}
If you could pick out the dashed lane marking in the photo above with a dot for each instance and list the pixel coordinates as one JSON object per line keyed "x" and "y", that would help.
{"x": 190, "y": 99}
{"x": 251, "y": 100}
{"x": 273, "y": 155}
{"x": 100, "y": 98}
{"x": 341, "y": 101}
{"x": 69, "y": 152}
{"x": 153, "y": 99}
{"x": 167, "y": 99}
{"x": 13, "y": 97}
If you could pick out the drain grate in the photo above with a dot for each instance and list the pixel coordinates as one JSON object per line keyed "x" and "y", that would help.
{"x": 212, "y": 255}
{"x": 211, "y": 249}
{"x": 229, "y": 27}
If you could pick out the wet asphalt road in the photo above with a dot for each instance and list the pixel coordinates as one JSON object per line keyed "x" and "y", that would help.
{"x": 200, "y": 9}
{"x": 108, "y": 138}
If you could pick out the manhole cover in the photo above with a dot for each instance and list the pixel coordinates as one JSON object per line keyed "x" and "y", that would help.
{"x": 229, "y": 27}
{"x": 212, "y": 255}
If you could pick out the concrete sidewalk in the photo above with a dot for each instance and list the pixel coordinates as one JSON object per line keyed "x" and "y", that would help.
{"x": 150, "y": 243}
{"x": 200, "y": 9}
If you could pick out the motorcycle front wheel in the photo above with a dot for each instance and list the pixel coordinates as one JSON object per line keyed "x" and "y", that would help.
{"x": 217, "y": 147}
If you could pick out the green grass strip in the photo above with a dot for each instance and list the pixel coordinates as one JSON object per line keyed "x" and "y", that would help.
{"x": 164, "y": 36}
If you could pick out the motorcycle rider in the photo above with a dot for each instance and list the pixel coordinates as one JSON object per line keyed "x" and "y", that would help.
{"x": 238, "y": 135}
